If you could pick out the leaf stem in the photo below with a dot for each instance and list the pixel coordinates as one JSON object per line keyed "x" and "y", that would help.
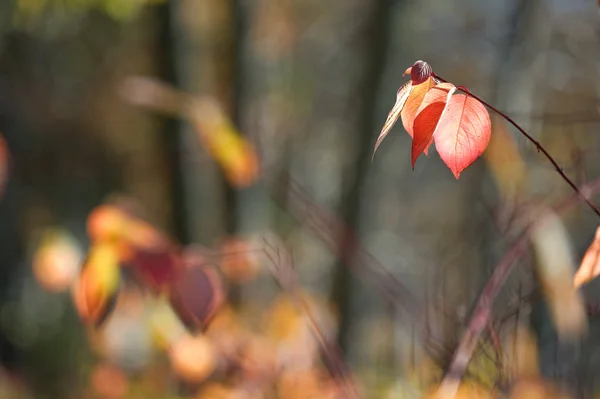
{"x": 538, "y": 146}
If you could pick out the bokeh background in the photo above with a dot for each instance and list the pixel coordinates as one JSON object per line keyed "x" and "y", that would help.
{"x": 309, "y": 84}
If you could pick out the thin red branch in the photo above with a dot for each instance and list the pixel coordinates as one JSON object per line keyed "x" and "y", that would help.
{"x": 483, "y": 310}
{"x": 539, "y": 147}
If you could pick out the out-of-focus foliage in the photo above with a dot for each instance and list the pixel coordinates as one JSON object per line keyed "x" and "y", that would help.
{"x": 590, "y": 264}
{"x": 122, "y": 10}
{"x": 235, "y": 155}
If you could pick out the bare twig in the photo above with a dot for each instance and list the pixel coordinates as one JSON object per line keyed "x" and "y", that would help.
{"x": 482, "y": 313}
{"x": 286, "y": 277}
{"x": 328, "y": 229}
{"x": 539, "y": 147}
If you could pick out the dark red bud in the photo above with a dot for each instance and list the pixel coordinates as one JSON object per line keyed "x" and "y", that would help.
{"x": 419, "y": 72}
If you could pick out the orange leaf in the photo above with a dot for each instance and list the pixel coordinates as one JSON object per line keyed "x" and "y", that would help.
{"x": 401, "y": 97}
{"x": 428, "y": 115}
{"x": 590, "y": 264}
{"x": 97, "y": 287}
{"x": 234, "y": 154}
{"x": 413, "y": 102}
{"x": 463, "y": 132}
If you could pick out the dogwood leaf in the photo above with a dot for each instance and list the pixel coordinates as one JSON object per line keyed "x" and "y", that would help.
{"x": 462, "y": 133}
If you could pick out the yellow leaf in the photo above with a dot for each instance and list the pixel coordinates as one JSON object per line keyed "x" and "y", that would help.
{"x": 224, "y": 143}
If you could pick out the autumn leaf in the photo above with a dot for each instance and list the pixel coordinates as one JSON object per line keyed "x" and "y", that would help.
{"x": 97, "y": 287}
{"x": 413, "y": 102}
{"x": 463, "y": 132}
{"x": 195, "y": 296}
{"x": 429, "y": 114}
{"x": 590, "y": 264}
{"x": 401, "y": 97}
{"x": 459, "y": 125}
{"x": 409, "y": 96}
{"x": 155, "y": 268}
{"x": 236, "y": 156}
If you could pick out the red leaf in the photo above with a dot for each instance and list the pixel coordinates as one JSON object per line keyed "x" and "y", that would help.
{"x": 413, "y": 102}
{"x": 394, "y": 114}
{"x": 195, "y": 296}
{"x": 590, "y": 264}
{"x": 463, "y": 132}
{"x": 155, "y": 268}
{"x": 427, "y": 117}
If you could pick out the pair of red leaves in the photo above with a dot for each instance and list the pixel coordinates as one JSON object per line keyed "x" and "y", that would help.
{"x": 431, "y": 112}
{"x": 122, "y": 240}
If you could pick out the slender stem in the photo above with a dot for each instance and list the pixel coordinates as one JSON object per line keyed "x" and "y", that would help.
{"x": 539, "y": 147}
{"x": 284, "y": 273}
{"x": 483, "y": 311}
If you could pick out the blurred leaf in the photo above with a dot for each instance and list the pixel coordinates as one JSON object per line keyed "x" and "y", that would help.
{"x": 235, "y": 155}
{"x": 155, "y": 268}
{"x": 505, "y": 161}
{"x": 165, "y": 324}
{"x": 590, "y": 264}
{"x": 193, "y": 357}
{"x": 140, "y": 246}
{"x": 57, "y": 260}
{"x": 555, "y": 269}
{"x": 96, "y": 290}
{"x": 106, "y": 223}
{"x": 224, "y": 143}
{"x": 195, "y": 294}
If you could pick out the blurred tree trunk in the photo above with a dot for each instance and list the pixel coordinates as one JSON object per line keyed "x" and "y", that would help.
{"x": 201, "y": 51}
{"x": 204, "y": 55}
{"x": 375, "y": 38}
{"x": 169, "y": 58}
